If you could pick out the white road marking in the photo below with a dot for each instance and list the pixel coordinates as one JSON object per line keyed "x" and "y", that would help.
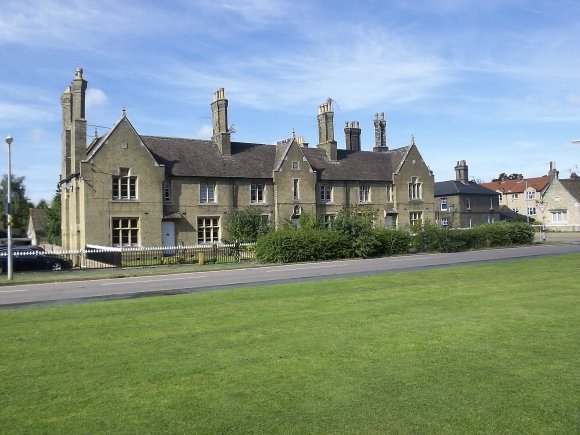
{"x": 13, "y": 291}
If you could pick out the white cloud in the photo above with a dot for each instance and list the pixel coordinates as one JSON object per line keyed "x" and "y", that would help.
{"x": 96, "y": 98}
{"x": 205, "y": 132}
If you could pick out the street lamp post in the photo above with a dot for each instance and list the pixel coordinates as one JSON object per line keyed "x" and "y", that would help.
{"x": 9, "y": 210}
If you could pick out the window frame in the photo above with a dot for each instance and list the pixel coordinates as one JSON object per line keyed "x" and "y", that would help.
{"x": 325, "y": 193}
{"x": 205, "y": 188}
{"x": 444, "y": 203}
{"x": 124, "y": 186}
{"x": 212, "y": 230}
{"x": 257, "y": 193}
{"x": 295, "y": 189}
{"x": 364, "y": 193}
{"x": 415, "y": 217}
{"x": 415, "y": 189}
{"x": 125, "y": 228}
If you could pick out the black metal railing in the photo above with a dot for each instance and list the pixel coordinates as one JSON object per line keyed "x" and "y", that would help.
{"x": 98, "y": 257}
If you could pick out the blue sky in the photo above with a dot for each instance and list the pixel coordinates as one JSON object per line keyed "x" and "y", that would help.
{"x": 493, "y": 82}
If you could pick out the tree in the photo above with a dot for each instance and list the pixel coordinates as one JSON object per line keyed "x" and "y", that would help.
{"x": 53, "y": 221}
{"x": 42, "y": 204}
{"x": 503, "y": 176}
{"x": 245, "y": 225}
{"x": 19, "y": 201}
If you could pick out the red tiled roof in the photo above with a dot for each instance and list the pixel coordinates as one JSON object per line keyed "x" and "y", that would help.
{"x": 518, "y": 186}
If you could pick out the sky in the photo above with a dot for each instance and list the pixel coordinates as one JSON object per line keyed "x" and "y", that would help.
{"x": 492, "y": 82}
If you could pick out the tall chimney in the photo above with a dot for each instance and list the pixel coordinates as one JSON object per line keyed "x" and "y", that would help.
{"x": 326, "y": 129}
{"x": 461, "y": 171}
{"x": 380, "y": 133}
{"x": 78, "y": 125}
{"x": 553, "y": 173}
{"x": 219, "y": 117}
{"x": 352, "y": 133}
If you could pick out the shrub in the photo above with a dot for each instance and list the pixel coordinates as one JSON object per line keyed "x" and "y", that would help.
{"x": 393, "y": 242}
{"x": 246, "y": 224}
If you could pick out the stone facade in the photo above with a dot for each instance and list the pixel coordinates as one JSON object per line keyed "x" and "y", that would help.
{"x": 559, "y": 208}
{"x": 125, "y": 189}
{"x": 464, "y": 204}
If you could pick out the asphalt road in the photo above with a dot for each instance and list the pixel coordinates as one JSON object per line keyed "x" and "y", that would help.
{"x": 124, "y": 288}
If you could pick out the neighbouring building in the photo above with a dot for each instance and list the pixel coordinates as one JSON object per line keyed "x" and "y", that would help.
{"x": 521, "y": 195}
{"x": 36, "y": 230}
{"x": 461, "y": 203}
{"x": 559, "y": 209}
{"x": 127, "y": 189}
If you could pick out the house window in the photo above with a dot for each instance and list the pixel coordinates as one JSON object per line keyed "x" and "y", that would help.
{"x": 325, "y": 193}
{"x": 257, "y": 193}
{"x": 206, "y": 192}
{"x": 124, "y": 185}
{"x": 296, "y": 212}
{"x": 530, "y": 194}
{"x": 516, "y": 210}
{"x": 328, "y": 220}
{"x": 208, "y": 229}
{"x": 490, "y": 219}
{"x": 415, "y": 189}
{"x": 491, "y": 202}
{"x": 500, "y": 197}
{"x": 444, "y": 222}
{"x": 514, "y": 196}
{"x": 468, "y": 203}
{"x": 295, "y": 166}
{"x": 167, "y": 191}
{"x": 364, "y": 193}
{"x": 390, "y": 193}
{"x": 444, "y": 204}
{"x": 125, "y": 231}
{"x": 416, "y": 217}
{"x": 559, "y": 216}
{"x": 531, "y": 211}
{"x": 295, "y": 188}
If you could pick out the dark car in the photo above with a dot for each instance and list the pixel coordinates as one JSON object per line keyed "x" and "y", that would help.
{"x": 33, "y": 259}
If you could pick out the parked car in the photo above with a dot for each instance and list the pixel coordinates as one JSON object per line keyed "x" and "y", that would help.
{"x": 33, "y": 259}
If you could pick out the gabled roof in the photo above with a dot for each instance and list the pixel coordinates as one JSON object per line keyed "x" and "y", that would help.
{"x": 518, "y": 186}
{"x": 202, "y": 158}
{"x": 454, "y": 187}
{"x": 38, "y": 218}
{"x": 572, "y": 185}
{"x": 355, "y": 165}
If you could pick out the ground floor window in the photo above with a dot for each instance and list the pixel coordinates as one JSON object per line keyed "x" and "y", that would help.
{"x": 328, "y": 220}
{"x": 416, "y": 218}
{"x": 208, "y": 229}
{"x": 444, "y": 222}
{"x": 559, "y": 216}
{"x": 125, "y": 231}
{"x": 490, "y": 219}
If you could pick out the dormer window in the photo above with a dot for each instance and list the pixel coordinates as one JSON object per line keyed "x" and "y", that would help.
{"x": 415, "y": 189}
{"x": 124, "y": 185}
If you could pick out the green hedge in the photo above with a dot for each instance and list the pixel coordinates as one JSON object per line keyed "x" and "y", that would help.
{"x": 291, "y": 245}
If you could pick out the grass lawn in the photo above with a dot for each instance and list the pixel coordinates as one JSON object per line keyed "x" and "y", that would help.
{"x": 475, "y": 349}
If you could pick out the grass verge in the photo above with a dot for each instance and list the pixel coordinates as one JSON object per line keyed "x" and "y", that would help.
{"x": 477, "y": 349}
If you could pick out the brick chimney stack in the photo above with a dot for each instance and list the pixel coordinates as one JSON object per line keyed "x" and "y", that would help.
{"x": 380, "y": 133}
{"x": 219, "y": 117}
{"x": 461, "y": 171}
{"x": 326, "y": 129}
{"x": 352, "y": 132}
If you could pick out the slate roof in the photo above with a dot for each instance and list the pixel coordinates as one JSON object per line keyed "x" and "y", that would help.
{"x": 515, "y": 186}
{"x": 38, "y": 216}
{"x": 454, "y": 187}
{"x": 572, "y": 185}
{"x": 201, "y": 158}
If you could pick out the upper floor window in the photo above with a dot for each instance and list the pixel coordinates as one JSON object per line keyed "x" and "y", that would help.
{"x": 390, "y": 193}
{"x": 500, "y": 197}
{"x": 295, "y": 188}
{"x": 468, "y": 203}
{"x": 530, "y": 194}
{"x": 444, "y": 204}
{"x": 491, "y": 202}
{"x": 206, "y": 192}
{"x": 167, "y": 191}
{"x": 325, "y": 193}
{"x": 364, "y": 193}
{"x": 257, "y": 193}
{"x": 125, "y": 231}
{"x": 415, "y": 189}
{"x": 124, "y": 185}
{"x": 515, "y": 196}
{"x": 295, "y": 166}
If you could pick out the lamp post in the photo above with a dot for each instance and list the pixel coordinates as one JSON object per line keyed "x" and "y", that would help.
{"x": 9, "y": 210}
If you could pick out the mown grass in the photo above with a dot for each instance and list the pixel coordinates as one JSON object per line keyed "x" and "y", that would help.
{"x": 477, "y": 349}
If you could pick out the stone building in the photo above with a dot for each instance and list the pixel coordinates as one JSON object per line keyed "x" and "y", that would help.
{"x": 464, "y": 204}
{"x": 126, "y": 189}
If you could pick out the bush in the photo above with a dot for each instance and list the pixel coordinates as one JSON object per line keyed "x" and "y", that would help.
{"x": 246, "y": 225}
{"x": 393, "y": 242}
